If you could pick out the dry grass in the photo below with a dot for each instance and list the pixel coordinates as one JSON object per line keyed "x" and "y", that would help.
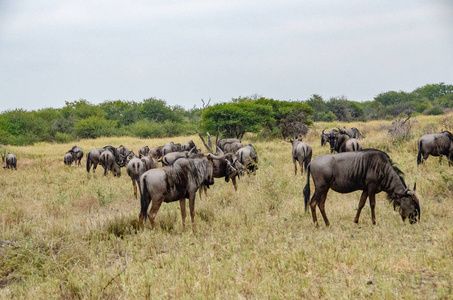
{"x": 66, "y": 234}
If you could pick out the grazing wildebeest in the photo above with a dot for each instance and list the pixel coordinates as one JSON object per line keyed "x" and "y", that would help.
{"x": 221, "y": 144}
{"x": 93, "y": 158}
{"x": 248, "y": 157}
{"x": 325, "y": 136}
{"x": 68, "y": 158}
{"x": 226, "y": 165}
{"x": 144, "y": 151}
{"x": 187, "y": 146}
{"x": 135, "y": 168}
{"x": 9, "y": 161}
{"x": 370, "y": 171}
{"x": 436, "y": 144}
{"x": 149, "y": 162}
{"x": 352, "y": 132}
{"x": 107, "y": 160}
{"x": 123, "y": 150}
{"x": 170, "y": 147}
{"x": 172, "y": 183}
{"x": 77, "y": 154}
{"x": 301, "y": 153}
{"x": 341, "y": 142}
{"x": 156, "y": 153}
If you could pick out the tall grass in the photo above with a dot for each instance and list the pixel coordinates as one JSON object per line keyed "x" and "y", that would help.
{"x": 68, "y": 234}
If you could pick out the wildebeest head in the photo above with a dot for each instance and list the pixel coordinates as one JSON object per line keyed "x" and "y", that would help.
{"x": 408, "y": 205}
{"x": 332, "y": 139}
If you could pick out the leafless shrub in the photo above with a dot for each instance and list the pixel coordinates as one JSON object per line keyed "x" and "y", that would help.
{"x": 400, "y": 130}
{"x": 447, "y": 123}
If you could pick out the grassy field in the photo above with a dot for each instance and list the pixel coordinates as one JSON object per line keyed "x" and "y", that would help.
{"x": 66, "y": 234}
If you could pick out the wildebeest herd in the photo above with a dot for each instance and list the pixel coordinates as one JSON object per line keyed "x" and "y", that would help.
{"x": 185, "y": 170}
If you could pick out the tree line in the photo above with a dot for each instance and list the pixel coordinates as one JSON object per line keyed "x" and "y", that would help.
{"x": 154, "y": 118}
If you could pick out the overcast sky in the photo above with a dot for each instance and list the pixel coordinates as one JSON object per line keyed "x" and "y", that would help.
{"x": 184, "y": 51}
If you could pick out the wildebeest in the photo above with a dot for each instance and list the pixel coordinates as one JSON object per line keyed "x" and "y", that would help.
{"x": 226, "y": 165}
{"x": 325, "y": 135}
{"x": 77, "y": 154}
{"x": 9, "y": 161}
{"x": 149, "y": 162}
{"x": 123, "y": 150}
{"x": 301, "y": 153}
{"x": 93, "y": 158}
{"x": 156, "y": 153}
{"x": 107, "y": 160}
{"x": 370, "y": 171}
{"x": 341, "y": 142}
{"x": 144, "y": 151}
{"x": 221, "y": 144}
{"x": 170, "y": 147}
{"x": 248, "y": 157}
{"x": 232, "y": 147}
{"x": 436, "y": 144}
{"x": 172, "y": 183}
{"x": 187, "y": 146}
{"x": 68, "y": 158}
{"x": 135, "y": 168}
{"x": 352, "y": 132}
{"x": 169, "y": 158}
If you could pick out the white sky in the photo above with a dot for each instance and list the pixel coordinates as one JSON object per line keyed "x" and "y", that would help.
{"x": 183, "y": 51}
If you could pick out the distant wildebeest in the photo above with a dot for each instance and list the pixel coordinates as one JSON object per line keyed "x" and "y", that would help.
{"x": 223, "y": 142}
{"x": 341, "y": 142}
{"x": 370, "y": 171}
{"x": 301, "y": 153}
{"x": 144, "y": 151}
{"x": 107, "y": 160}
{"x": 168, "y": 184}
{"x": 226, "y": 165}
{"x": 325, "y": 135}
{"x": 9, "y": 161}
{"x": 149, "y": 162}
{"x": 352, "y": 132}
{"x": 248, "y": 157}
{"x": 188, "y": 146}
{"x": 68, "y": 158}
{"x": 436, "y": 144}
{"x": 170, "y": 147}
{"x": 232, "y": 147}
{"x": 123, "y": 151}
{"x": 77, "y": 154}
{"x": 93, "y": 158}
{"x": 156, "y": 153}
{"x": 135, "y": 168}
{"x": 169, "y": 158}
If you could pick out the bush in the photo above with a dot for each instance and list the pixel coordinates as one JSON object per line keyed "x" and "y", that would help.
{"x": 93, "y": 127}
{"x": 434, "y": 111}
{"x": 63, "y": 138}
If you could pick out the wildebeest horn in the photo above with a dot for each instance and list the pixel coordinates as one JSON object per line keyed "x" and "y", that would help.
{"x": 210, "y": 155}
{"x": 192, "y": 150}
{"x": 323, "y": 131}
{"x": 415, "y": 186}
{"x": 220, "y": 151}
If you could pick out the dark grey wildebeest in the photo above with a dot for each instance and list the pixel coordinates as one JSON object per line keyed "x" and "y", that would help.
{"x": 170, "y": 147}
{"x": 342, "y": 142}
{"x": 144, "y": 151}
{"x": 135, "y": 168}
{"x": 77, "y": 154}
{"x": 223, "y": 142}
{"x": 9, "y": 161}
{"x": 436, "y": 144}
{"x": 226, "y": 165}
{"x": 169, "y": 158}
{"x": 232, "y": 147}
{"x": 93, "y": 158}
{"x": 149, "y": 162}
{"x": 325, "y": 136}
{"x": 173, "y": 183}
{"x": 156, "y": 153}
{"x": 370, "y": 171}
{"x": 352, "y": 132}
{"x": 188, "y": 146}
{"x": 68, "y": 158}
{"x": 301, "y": 154}
{"x": 107, "y": 161}
{"x": 123, "y": 151}
{"x": 248, "y": 157}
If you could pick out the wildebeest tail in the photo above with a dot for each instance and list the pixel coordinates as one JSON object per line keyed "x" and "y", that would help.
{"x": 307, "y": 189}
{"x": 144, "y": 195}
{"x": 419, "y": 156}
{"x": 106, "y": 164}
{"x": 88, "y": 162}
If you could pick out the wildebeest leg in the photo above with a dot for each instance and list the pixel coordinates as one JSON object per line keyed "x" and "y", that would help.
{"x": 155, "y": 205}
{"x": 235, "y": 185}
{"x": 373, "y": 205}
{"x": 322, "y": 201}
{"x": 295, "y": 166}
{"x": 313, "y": 203}
{"x": 361, "y": 205}
{"x": 192, "y": 210}
{"x": 182, "y": 204}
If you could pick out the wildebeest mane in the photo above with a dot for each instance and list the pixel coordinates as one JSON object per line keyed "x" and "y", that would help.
{"x": 448, "y": 133}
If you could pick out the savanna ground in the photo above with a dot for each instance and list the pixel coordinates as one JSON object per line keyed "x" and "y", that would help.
{"x": 66, "y": 234}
